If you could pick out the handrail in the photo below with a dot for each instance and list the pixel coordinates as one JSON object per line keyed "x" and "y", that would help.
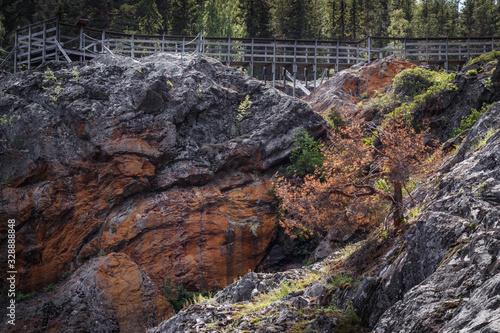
{"x": 48, "y": 39}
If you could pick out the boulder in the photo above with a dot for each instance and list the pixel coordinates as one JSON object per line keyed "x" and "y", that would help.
{"x": 107, "y": 294}
{"x": 157, "y": 158}
{"x": 348, "y": 87}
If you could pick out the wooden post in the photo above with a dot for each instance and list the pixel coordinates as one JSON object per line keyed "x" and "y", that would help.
{"x": 369, "y": 48}
{"x": 132, "y": 47}
{"x": 15, "y": 52}
{"x": 81, "y": 47}
{"x": 357, "y": 52}
{"x": 163, "y": 43}
{"x": 44, "y": 43}
{"x": 446, "y": 63}
{"x": 337, "y": 56}
{"x": 284, "y": 77}
{"x": 228, "y": 60}
{"x": 404, "y": 46}
{"x": 182, "y": 53}
{"x": 315, "y": 63}
{"x": 58, "y": 32}
{"x": 294, "y": 67}
{"x": 251, "y": 60}
{"x": 264, "y": 75}
{"x": 29, "y": 47}
{"x": 294, "y": 77}
{"x": 492, "y": 43}
{"x": 103, "y": 38}
{"x": 274, "y": 63}
{"x": 427, "y": 50}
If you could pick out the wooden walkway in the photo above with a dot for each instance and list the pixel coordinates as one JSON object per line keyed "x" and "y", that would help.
{"x": 53, "y": 40}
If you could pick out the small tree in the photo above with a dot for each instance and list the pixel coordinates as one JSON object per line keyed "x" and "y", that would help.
{"x": 357, "y": 176}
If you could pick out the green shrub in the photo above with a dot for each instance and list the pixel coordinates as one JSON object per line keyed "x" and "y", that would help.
{"x": 4, "y": 120}
{"x": 417, "y": 87}
{"x": 22, "y": 297}
{"x": 470, "y": 120}
{"x": 335, "y": 120}
{"x": 49, "y": 288}
{"x": 471, "y": 72}
{"x": 421, "y": 84}
{"x": 412, "y": 82}
{"x": 341, "y": 280}
{"x": 484, "y": 58}
{"x": 306, "y": 156}
{"x": 482, "y": 141}
{"x": 182, "y": 297}
{"x": 52, "y": 85}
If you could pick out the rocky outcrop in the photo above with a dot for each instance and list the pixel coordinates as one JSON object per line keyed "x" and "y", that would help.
{"x": 157, "y": 159}
{"x": 443, "y": 274}
{"x": 288, "y": 301}
{"x": 348, "y": 87}
{"x": 107, "y": 294}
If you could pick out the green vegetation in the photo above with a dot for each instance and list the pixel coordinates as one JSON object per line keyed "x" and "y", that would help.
{"x": 347, "y": 317}
{"x": 265, "y": 18}
{"x": 482, "y": 141}
{"x": 485, "y": 58}
{"x": 415, "y": 87}
{"x": 4, "y": 120}
{"x": 179, "y": 297}
{"x": 469, "y": 121}
{"x": 341, "y": 280}
{"x": 4, "y": 182}
{"x": 49, "y": 288}
{"x": 52, "y": 85}
{"x": 76, "y": 76}
{"x": 243, "y": 108}
{"x": 22, "y": 297}
{"x": 306, "y": 156}
{"x": 414, "y": 212}
{"x": 471, "y": 72}
{"x": 241, "y": 113}
{"x": 334, "y": 119}
{"x": 488, "y": 84}
{"x": 170, "y": 84}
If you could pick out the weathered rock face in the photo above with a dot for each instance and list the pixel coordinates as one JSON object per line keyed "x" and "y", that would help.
{"x": 448, "y": 110}
{"x": 107, "y": 294}
{"x": 444, "y": 274}
{"x": 345, "y": 89}
{"x": 151, "y": 158}
{"x": 241, "y": 308}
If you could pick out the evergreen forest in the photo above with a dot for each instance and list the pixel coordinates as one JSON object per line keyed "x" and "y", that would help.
{"x": 297, "y": 19}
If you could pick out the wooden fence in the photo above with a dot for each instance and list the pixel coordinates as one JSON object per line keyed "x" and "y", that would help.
{"x": 53, "y": 40}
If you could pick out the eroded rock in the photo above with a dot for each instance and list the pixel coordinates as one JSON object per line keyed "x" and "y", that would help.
{"x": 107, "y": 294}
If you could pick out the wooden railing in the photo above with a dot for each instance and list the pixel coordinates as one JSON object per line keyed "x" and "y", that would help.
{"x": 52, "y": 40}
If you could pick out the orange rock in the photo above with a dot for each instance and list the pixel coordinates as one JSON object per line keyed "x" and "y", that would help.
{"x": 130, "y": 293}
{"x": 203, "y": 237}
{"x": 107, "y": 294}
{"x": 344, "y": 90}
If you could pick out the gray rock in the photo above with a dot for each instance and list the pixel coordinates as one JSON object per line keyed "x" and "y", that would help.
{"x": 444, "y": 275}
{"x": 300, "y": 302}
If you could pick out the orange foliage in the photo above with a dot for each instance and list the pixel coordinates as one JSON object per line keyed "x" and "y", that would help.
{"x": 347, "y": 192}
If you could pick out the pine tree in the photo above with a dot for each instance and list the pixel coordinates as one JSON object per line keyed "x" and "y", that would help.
{"x": 355, "y": 18}
{"x": 256, "y": 17}
{"x": 468, "y": 17}
{"x": 338, "y": 10}
{"x": 222, "y": 18}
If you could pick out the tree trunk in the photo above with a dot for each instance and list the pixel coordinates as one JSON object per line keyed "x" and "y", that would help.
{"x": 398, "y": 205}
